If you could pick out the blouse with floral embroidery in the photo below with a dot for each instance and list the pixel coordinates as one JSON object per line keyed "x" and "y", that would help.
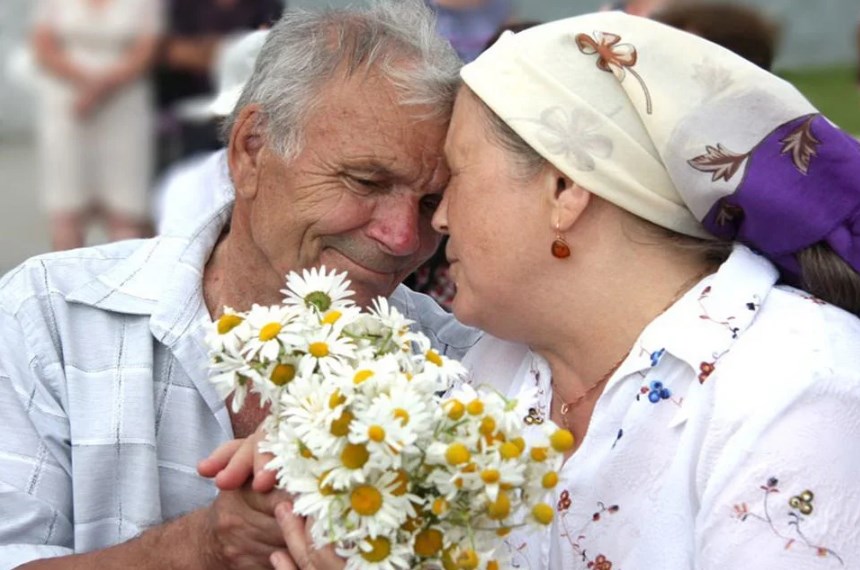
{"x": 728, "y": 438}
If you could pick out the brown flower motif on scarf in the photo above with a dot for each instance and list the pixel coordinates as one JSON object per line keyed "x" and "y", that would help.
{"x": 719, "y": 161}
{"x": 613, "y": 56}
{"x": 802, "y": 145}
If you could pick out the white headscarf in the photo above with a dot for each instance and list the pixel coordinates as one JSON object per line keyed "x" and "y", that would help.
{"x": 621, "y": 104}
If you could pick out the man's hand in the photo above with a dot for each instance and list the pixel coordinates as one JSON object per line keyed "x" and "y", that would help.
{"x": 242, "y": 530}
{"x": 234, "y": 462}
{"x": 301, "y": 554}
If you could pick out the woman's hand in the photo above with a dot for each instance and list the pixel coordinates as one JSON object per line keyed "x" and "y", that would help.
{"x": 234, "y": 462}
{"x": 301, "y": 554}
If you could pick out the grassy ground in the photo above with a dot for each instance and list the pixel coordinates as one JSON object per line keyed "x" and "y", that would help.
{"x": 833, "y": 91}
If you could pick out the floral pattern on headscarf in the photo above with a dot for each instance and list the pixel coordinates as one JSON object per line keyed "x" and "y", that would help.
{"x": 574, "y": 134}
{"x": 614, "y": 57}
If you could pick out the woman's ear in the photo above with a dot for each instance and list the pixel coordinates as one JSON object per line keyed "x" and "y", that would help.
{"x": 245, "y": 150}
{"x": 569, "y": 201}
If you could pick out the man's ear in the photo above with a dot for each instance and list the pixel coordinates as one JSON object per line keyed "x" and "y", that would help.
{"x": 245, "y": 150}
{"x": 568, "y": 200}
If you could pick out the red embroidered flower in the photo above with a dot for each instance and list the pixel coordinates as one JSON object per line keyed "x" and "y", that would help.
{"x": 600, "y": 563}
{"x": 564, "y": 501}
{"x": 705, "y": 370}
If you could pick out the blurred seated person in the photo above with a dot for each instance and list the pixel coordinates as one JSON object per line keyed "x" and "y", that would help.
{"x": 468, "y": 24}
{"x": 197, "y": 185}
{"x": 196, "y": 32}
{"x": 741, "y": 29}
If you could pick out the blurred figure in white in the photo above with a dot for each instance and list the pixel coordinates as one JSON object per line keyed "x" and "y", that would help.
{"x": 196, "y": 186}
{"x": 94, "y": 114}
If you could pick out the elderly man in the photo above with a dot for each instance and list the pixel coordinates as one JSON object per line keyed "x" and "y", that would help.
{"x": 335, "y": 156}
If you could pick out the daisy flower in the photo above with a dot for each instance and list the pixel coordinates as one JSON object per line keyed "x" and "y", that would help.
{"x": 323, "y": 349}
{"x": 270, "y": 331}
{"x": 318, "y": 289}
{"x": 229, "y": 332}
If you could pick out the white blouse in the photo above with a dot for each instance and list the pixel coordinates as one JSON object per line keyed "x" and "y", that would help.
{"x": 728, "y": 438}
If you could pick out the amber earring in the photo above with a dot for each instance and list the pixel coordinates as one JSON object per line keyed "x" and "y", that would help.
{"x": 560, "y": 249}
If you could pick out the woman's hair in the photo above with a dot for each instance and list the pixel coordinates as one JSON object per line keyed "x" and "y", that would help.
{"x": 826, "y": 275}
{"x": 823, "y": 273}
{"x": 304, "y": 51}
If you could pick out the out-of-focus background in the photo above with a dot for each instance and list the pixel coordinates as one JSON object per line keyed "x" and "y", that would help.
{"x": 817, "y": 50}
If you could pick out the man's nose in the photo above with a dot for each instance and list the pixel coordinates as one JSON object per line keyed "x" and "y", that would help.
{"x": 396, "y": 224}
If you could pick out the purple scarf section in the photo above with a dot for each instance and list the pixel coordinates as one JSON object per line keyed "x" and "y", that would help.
{"x": 801, "y": 186}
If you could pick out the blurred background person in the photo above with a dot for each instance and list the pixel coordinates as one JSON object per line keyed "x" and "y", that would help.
{"x": 468, "y": 24}
{"x": 94, "y": 114}
{"x": 195, "y": 186}
{"x": 741, "y": 29}
{"x": 636, "y": 7}
{"x": 197, "y": 31}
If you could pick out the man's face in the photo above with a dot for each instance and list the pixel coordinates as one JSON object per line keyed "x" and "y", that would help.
{"x": 360, "y": 195}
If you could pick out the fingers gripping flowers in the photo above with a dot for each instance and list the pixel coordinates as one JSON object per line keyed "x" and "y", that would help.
{"x": 392, "y": 473}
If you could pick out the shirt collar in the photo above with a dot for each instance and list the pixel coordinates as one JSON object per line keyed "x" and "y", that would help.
{"x": 703, "y": 325}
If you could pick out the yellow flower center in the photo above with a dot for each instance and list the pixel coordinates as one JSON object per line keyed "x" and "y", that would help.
{"x": 336, "y": 399}
{"x": 503, "y": 531}
{"x": 331, "y": 317}
{"x": 325, "y": 490}
{"x": 500, "y": 508}
{"x": 457, "y": 454}
{"x": 520, "y": 443}
{"x": 509, "y": 450}
{"x": 492, "y": 565}
{"x": 561, "y": 440}
{"x": 488, "y": 426}
{"x": 433, "y": 356}
{"x": 228, "y": 322}
{"x": 340, "y": 426}
{"x": 380, "y": 548}
{"x": 305, "y": 452}
{"x": 456, "y": 409}
{"x": 361, "y": 376}
{"x": 354, "y": 456}
{"x": 475, "y": 407}
{"x": 402, "y": 481}
{"x": 376, "y": 433}
{"x": 539, "y": 454}
{"x": 270, "y": 331}
{"x": 468, "y": 559}
{"x": 318, "y": 349}
{"x": 542, "y": 513}
{"x": 282, "y": 374}
{"x": 402, "y": 415}
{"x": 428, "y": 542}
{"x": 366, "y": 500}
{"x": 490, "y": 476}
{"x": 440, "y": 506}
{"x": 549, "y": 480}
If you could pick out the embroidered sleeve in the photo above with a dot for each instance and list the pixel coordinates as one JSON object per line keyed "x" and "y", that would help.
{"x": 783, "y": 494}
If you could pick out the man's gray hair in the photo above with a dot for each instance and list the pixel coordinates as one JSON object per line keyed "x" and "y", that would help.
{"x": 305, "y": 50}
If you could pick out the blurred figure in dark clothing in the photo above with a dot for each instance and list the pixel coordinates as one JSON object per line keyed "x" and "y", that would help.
{"x": 196, "y": 31}
{"x": 741, "y": 29}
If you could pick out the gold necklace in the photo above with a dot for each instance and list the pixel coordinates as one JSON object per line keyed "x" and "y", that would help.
{"x": 565, "y": 407}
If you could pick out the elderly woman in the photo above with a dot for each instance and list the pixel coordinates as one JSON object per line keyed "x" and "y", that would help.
{"x": 631, "y": 208}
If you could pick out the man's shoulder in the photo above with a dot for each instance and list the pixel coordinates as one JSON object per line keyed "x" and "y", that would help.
{"x": 448, "y": 335}
{"x": 67, "y": 272}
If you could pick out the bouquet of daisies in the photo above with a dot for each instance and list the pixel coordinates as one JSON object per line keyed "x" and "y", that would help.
{"x": 397, "y": 468}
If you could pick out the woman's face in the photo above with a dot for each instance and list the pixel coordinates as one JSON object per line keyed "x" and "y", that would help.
{"x": 495, "y": 224}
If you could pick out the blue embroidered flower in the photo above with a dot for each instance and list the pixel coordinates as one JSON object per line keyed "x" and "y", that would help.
{"x": 656, "y": 356}
{"x": 658, "y": 392}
